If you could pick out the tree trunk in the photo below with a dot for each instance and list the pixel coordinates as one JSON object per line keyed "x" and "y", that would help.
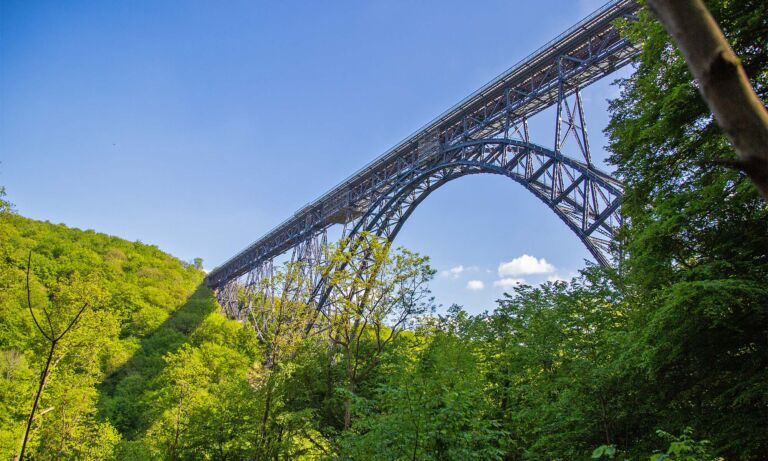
{"x": 350, "y": 391}
{"x": 43, "y": 378}
{"x": 264, "y": 419}
{"x": 178, "y": 426}
{"x": 348, "y": 408}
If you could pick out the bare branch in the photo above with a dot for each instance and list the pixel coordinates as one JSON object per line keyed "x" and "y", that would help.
{"x": 53, "y": 340}
{"x": 29, "y": 302}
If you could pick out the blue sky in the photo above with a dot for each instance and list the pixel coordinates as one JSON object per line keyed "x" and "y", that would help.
{"x": 198, "y": 126}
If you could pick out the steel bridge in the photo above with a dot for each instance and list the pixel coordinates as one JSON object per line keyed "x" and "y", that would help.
{"x": 487, "y": 132}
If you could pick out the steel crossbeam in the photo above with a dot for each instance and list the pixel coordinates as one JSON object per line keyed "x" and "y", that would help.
{"x": 484, "y": 133}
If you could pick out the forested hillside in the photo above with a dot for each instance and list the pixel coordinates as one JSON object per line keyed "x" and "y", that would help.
{"x": 142, "y": 305}
{"x": 665, "y": 356}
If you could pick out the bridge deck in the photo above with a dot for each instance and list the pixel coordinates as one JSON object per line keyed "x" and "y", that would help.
{"x": 525, "y": 89}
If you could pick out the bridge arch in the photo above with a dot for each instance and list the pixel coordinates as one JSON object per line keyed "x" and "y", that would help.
{"x": 586, "y": 199}
{"x": 583, "y": 197}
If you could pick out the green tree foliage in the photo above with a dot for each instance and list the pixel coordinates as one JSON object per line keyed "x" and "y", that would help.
{"x": 374, "y": 298}
{"x": 6, "y": 207}
{"x": 121, "y": 280}
{"x": 198, "y": 263}
{"x": 697, "y": 240}
{"x": 430, "y": 404}
{"x": 552, "y": 354}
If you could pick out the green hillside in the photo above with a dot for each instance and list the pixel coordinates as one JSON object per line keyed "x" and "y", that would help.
{"x": 108, "y": 372}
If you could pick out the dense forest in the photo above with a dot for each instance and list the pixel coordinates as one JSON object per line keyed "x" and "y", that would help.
{"x": 664, "y": 357}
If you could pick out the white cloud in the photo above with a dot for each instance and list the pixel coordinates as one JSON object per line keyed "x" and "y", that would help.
{"x": 453, "y": 272}
{"x": 525, "y": 265}
{"x": 475, "y": 285}
{"x": 508, "y": 282}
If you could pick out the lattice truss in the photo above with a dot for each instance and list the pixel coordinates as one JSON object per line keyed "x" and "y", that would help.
{"x": 267, "y": 296}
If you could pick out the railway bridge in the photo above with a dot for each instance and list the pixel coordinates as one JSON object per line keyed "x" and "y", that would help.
{"x": 486, "y": 132}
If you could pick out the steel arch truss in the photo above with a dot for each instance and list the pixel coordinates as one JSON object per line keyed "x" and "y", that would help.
{"x": 586, "y": 199}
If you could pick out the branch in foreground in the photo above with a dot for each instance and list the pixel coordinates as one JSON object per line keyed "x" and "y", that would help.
{"x": 723, "y": 83}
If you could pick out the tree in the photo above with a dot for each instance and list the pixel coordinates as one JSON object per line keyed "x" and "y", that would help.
{"x": 58, "y": 325}
{"x": 554, "y": 365}
{"x": 695, "y": 237}
{"x": 376, "y": 293}
{"x": 430, "y": 402}
{"x": 184, "y": 386}
{"x": 277, "y": 308}
{"x": 723, "y": 83}
{"x": 198, "y": 263}
{"x": 5, "y": 206}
